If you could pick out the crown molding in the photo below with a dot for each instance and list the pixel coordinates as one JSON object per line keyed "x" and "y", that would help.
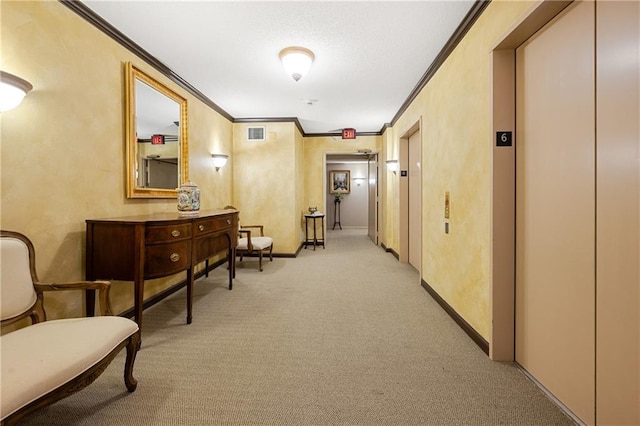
{"x": 98, "y": 22}
{"x": 90, "y": 16}
{"x": 467, "y": 22}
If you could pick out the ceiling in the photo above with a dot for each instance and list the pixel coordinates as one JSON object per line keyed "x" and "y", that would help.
{"x": 370, "y": 55}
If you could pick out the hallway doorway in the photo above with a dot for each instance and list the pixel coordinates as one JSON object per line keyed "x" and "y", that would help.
{"x": 358, "y": 208}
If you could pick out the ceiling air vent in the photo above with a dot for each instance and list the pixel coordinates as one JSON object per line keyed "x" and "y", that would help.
{"x": 255, "y": 133}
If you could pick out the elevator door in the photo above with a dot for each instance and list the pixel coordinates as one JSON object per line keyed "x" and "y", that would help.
{"x": 555, "y": 204}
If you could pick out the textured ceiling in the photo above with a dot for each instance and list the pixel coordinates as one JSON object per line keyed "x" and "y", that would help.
{"x": 370, "y": 55}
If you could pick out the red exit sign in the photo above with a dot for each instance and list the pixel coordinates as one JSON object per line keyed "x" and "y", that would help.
{"x": 157, "y": 139}
{"x": 348, "y": 133}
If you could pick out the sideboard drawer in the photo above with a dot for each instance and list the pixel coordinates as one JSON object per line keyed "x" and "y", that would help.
{"x": 217, "y": 224}
{"x": 165, "y": 259}
{"x": 167, "y": 233}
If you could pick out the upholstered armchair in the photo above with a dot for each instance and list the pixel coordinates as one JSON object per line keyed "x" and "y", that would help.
{"x": 50, "y": 360}
{"x": 252, "y": 241}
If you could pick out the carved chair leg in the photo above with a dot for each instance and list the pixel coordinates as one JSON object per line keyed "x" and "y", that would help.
{"x": 270, "y": 254}
{"x": 260, "y": 259}
{"x": 132, "y": 350}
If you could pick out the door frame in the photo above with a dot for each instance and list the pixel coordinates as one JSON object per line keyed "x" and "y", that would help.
{"x": 374, "y": 200}
{"x": 403, "y": 219}
{"x": 358, "y": 154}
{"x": 503, "y": 205}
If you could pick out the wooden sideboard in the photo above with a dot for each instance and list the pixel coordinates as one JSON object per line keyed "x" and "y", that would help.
{"x": 136, "y": 248}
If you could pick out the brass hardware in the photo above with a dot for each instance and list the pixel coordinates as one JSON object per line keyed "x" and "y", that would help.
{"x": 175, "y": 233}
{"x": 228, "y": 221}
{"x": 446, "y": 205}
{"x": 174, "y": 257}
{"x": 201, "y": 227}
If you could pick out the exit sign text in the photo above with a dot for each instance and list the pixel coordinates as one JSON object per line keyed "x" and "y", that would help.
{"x": 157, "y": 139}
{"x": 348, "y": 133}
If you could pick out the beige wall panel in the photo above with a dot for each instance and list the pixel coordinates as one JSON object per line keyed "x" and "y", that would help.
{"x": 63, "y": 150}
{"x": 455, "y": 107}
{"x": 503, "y": 210}
{"x": 315, "y": 177}
{"x": 265, "y": 182}
{"x": 618, "y": 213}
{"x": 555, "y": 213}
{"x": 389, "y": 194}
{"x": 315, "y": 150}
{"x": 373, "y": 191}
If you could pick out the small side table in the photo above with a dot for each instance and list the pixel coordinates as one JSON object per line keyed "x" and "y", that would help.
{"x": 336, "y": 214}
{"x": 315, "y": 241}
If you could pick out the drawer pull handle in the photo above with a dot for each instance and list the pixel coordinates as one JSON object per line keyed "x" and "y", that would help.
{"x": 228, "y": 221}
{"x": 201, "y": 227}
{"x": 174, "y": 257}
{"x": 175, "y": 233}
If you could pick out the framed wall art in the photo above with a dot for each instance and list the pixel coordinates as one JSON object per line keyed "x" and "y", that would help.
{"x": 340, "y": 182}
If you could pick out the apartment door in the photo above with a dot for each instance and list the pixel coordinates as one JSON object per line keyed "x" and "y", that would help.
{"x": 555, "y": 205}
{"x": 415, "y": 201}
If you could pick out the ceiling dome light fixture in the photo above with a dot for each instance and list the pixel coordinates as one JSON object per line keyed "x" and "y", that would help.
{"x": 296, "y": 61}
{"x": 12, "y": 90}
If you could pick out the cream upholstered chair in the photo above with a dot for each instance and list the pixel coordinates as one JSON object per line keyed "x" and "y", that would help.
{"x": 250, "y": 243}
{"x": 50, "y": 360}
{"x": 253, "y": 241}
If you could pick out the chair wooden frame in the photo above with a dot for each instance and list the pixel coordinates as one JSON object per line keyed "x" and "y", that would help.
{"x": 245, "y": 231}
{"x": 37, "y": 314}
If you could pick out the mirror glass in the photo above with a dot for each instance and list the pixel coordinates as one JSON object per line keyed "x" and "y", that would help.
{"x": 157, "y": 146}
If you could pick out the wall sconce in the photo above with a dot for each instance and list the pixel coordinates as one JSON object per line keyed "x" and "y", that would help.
{"x": 392, "y": 165}
{"x": 219, "y": 160}
{"x": 358, "y": 180}
{"x": 12, "y": 90}
{"x": 296, "y": 61}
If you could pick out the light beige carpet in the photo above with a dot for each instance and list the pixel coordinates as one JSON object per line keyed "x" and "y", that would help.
{"x": 338, "y": 336}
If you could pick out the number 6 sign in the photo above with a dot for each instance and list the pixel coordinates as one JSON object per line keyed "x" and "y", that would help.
{"x": 504, "y": 139}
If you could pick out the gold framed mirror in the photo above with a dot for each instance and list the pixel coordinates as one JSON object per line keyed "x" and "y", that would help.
{"x": 157, "y": 146}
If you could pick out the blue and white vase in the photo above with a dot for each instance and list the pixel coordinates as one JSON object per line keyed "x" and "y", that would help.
{"x": 188, "y": 199}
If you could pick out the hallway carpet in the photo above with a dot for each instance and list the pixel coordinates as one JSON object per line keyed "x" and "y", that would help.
{"x": 337, "y": 336}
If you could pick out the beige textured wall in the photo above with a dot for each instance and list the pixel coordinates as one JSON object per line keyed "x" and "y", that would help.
{"x": 455, "y": 107}
{"x": 63, "y": 150}
{"x": 75, "y": 116}
{"x": 315, "y": 150}
{"x": 266, "y": 182}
